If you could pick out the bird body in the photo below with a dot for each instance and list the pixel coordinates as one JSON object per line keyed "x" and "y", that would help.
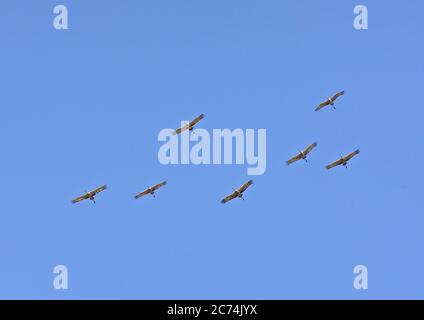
{"x": 189, "y": 126}
{"x": 330, "y": 101}
{"x": 302, "y": 154}
{"x": 238, "y": 193}
{"x": 150, "y": 190}
{"x": 343, "y": 160}
{"x": 90, "y": 194}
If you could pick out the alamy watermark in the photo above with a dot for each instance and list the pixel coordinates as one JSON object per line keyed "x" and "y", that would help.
{"x": 60, "y": 282}
{"x": 360, "y": 281}
{"x": 60, "y": 21}
{"x": 360, "y": 22}
{"x": 226, "y": 146}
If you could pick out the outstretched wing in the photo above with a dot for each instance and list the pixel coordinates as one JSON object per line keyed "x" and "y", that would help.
{"x": 197, "y": 119}
{"x": 309, "y": 149}
{"x": 189, "y": 124}
{"x": 322, "y": 105}
{"x": 179, "y": 130}
{"x": 334, "y": 164}
{"x": 155, "y": 187}
{"x": 351, "y": 155}
{"x": 229, "y": 198}
{"x": 339, "y": 94}
{"x": 83, "y": 197}
{"x": 294, "y": 159}
{"x": 245, "y": 186}
{"x": 98, "y": 190}
{"x": 142, "y": 194}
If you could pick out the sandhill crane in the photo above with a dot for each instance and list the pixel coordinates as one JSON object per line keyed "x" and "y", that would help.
{"x": 238, "y": 193}
{"x": 343, "y": 160}
{"x": 189, "y": 126}
{"x": 90, "y": 195}
{"x": 302, "y": 154}
{"x": 150, "y": 190}
{"x": 330, "y": 101}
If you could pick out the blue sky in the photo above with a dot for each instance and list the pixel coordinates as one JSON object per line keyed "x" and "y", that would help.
{"x": 83, "y": 107}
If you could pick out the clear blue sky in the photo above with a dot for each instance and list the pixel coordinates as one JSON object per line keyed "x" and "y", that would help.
{"x": 83, "y": 107}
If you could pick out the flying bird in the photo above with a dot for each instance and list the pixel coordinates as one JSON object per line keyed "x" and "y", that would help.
{"x": 189, "y": 126}
{"x": 343, "y": 160}
{"x": 330, "y": 101}
{"x": 302, "y": 154}
{"x": 90, "y": 195}
{"x": 238, "y": 193}
{"x": 150, "y": 190}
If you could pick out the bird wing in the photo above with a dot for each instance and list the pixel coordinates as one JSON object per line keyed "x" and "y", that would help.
{"x": 322, "y": 105}
{"x": 339, "y": 94}
{"x": 245, "y": 186}
{"x": 143, "y": 193}
{"x": 351, "y": 155}
{"x": 155, "y": 187}
{"x": 229, "y": 198}
{"x": 309, "y": 149}
{"x": 98, "y": 190}
{"x": 80, "y": 198}
{"x": 334, "y": 164}
{"x": 184, "y": 128}
{"x": 197, "y": 119}
{"x": 294, "y": 159}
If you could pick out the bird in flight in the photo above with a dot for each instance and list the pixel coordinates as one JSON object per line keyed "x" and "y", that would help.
{"x": 189, "y": 126}
{"x": 150, "y": 190}
{"x": 238, "y": 193}
{"x": 90, "y": 195}
{"x": 302, "y": 154}
{"x": 330, "y": 101}
{"x": 343, "y": 160}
